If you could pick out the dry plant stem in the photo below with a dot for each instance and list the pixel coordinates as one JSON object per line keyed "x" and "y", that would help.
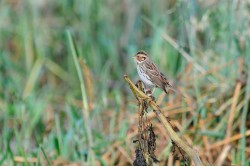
{"x": 172, "y": 134}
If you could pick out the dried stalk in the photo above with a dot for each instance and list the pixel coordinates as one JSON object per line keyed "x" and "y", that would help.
{"x": 172, "y": 134}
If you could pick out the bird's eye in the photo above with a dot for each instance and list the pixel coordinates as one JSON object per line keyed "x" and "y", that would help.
{"x": 140, "y": 58}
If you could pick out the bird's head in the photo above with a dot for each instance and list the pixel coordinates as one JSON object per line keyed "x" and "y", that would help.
{"x": 140, "y": 56}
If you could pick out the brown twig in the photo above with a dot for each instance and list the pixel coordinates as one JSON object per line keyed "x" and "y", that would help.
{"x": 172, "y": 134}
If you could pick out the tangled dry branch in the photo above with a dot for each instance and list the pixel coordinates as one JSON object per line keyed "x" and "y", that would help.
{"x": 141, "y": 96}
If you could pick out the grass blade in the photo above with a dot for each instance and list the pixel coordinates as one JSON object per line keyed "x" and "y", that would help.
{"x": 45, "y": 155}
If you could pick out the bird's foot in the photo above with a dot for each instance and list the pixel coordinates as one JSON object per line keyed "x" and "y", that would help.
{"x": 150, "y": 94}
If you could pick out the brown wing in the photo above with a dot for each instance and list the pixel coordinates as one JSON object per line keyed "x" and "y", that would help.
{"x": 150, "y": 66}
{"x": 154, "y": 74}
{"x": 157, "y": 77}
{"x": 164, "y": 79}
{"x": 168, "y": 86}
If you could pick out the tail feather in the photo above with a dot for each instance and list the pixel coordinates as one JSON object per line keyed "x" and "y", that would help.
{"x": 174, "y": 90}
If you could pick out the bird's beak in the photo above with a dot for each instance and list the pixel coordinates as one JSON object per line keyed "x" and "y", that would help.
{"x": 134, "y": 58}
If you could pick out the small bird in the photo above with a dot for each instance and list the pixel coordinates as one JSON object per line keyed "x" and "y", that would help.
{"x": 149, "y": 73}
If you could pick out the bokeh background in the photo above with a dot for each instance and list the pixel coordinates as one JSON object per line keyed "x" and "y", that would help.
{"x": 63, "y": 99}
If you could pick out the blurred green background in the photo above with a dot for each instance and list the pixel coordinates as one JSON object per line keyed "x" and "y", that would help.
{"x": 63, "y": 99}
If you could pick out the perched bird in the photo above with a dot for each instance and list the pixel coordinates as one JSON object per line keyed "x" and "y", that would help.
{"x": 149, "y": 73}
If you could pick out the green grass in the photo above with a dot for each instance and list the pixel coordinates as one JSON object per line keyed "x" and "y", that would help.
{"x": 51, "y": 110}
